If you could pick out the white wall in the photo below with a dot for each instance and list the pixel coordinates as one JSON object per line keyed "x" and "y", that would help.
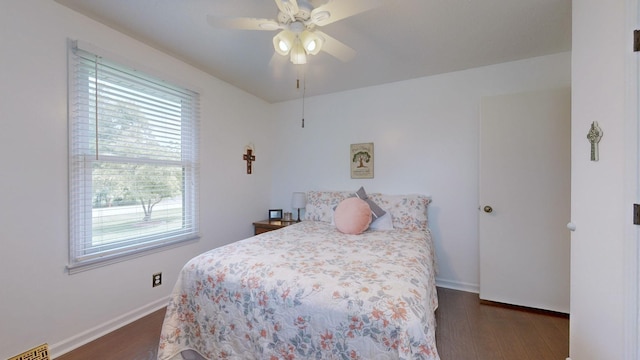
{"x": 39, "y": 301}
{"x": 603, "y": 247}
{"x": 425, "y": 135}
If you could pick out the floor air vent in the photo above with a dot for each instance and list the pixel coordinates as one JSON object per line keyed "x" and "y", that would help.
{"x": 37, "y": 353}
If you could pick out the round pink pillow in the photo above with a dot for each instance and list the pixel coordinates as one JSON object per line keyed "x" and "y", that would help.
{"x": 352, "y": 216}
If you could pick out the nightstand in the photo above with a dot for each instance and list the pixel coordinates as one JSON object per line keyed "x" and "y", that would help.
{"x": 266, "y": 225}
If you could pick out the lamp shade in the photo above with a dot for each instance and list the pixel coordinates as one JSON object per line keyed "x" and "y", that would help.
{"x": 311, "y": 42}
{"x": 283, "y": 42}
{"x": 299, "y": 200}
{"x": 298, "y": 56}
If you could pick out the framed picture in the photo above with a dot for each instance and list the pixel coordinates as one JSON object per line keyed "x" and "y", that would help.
{"x": 361, "y": 157}
{"x": 275, "y": 214}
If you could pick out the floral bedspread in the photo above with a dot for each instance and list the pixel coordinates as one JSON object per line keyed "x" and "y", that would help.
{"x": 307, "y": 291}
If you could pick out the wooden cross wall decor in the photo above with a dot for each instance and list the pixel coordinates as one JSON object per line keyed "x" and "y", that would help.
{"x": 249, "y": 157}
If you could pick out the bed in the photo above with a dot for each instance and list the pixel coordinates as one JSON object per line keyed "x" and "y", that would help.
{"x": 309, "y": 291}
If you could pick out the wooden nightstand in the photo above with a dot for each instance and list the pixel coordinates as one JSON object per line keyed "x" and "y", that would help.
{"x": 266, "y": 225}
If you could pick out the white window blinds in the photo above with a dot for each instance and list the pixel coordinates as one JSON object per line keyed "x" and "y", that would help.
{"x": 133, "y": 162}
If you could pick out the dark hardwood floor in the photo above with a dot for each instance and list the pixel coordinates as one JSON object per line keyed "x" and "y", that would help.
{"x": 136, "y": 341}
{"x": 467, "y": 330}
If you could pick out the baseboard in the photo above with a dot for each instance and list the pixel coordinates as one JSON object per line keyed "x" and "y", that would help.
{"x": 74, "y": 342}
{"x": 526, "y": 308}
{"x": 456, "y": 285}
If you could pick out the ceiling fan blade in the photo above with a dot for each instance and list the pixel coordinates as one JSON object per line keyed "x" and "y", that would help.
{"x": 288, "y": 7}
{"x": 336, "y": 48}
{"x": 339, "y": 10}
{"x": 242, "y": 23}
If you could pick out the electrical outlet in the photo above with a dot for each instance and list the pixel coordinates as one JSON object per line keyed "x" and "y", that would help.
{"x": 157, "y": 279}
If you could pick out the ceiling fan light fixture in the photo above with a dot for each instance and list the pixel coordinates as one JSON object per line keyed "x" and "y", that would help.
{"x": 299, "y": 22}
{"x": 311, "y": 45}
{"x": 283, "y": 42}
{"x": 311, "y": 42}
{"x": 283, "y": 46}
{"x": 298, "y": 55}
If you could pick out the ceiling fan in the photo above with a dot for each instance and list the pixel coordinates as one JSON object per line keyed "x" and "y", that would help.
{"x": 298, "y": 22}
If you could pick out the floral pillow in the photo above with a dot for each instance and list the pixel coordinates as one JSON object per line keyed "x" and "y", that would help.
{"x": 320, "y": 204}
{"x": 407, "y": 211}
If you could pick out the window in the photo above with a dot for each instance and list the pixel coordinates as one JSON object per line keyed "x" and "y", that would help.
{"x": 133, "y": 162}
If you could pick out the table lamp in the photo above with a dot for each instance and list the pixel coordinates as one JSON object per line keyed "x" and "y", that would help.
{"x": 298, "y": 201}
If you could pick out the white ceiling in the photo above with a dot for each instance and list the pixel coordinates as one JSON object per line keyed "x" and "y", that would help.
{"x": 399, "y": 40}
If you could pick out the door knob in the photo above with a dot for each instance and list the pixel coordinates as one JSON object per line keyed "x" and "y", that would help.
{"x": 488, "y": 209}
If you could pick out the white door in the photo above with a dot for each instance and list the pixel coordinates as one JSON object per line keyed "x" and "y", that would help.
{"x": 525, "y": 199}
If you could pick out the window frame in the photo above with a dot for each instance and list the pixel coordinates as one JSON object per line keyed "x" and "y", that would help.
{"x": 83, "y": 253}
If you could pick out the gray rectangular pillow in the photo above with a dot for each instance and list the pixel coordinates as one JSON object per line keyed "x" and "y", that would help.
{"x": 376, "y": 211}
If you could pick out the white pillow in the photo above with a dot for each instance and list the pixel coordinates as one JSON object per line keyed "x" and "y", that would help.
{"x": 384, "y": 222}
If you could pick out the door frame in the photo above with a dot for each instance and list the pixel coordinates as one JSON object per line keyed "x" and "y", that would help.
{"x": 632, "y": 185}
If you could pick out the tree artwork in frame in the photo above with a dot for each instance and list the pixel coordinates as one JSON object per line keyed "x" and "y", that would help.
{"x": 362, "y": 161}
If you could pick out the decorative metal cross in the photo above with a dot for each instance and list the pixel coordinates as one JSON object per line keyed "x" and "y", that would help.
{"x": 594, "y": 136}
{"x": 249, "y": 157}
